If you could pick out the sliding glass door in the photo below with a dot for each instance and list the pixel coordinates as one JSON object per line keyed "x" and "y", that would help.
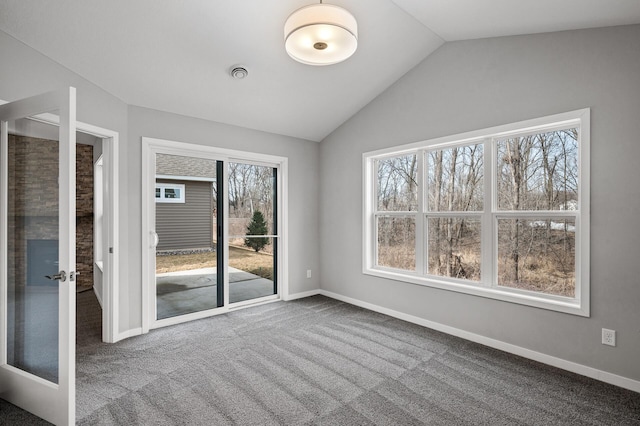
{"x": 253, "y": 233}
{"x": 212, "y": 222}
{"x": 187, "y": 278}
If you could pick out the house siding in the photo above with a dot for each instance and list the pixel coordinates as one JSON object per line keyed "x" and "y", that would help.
{"x": 186, "y": 225}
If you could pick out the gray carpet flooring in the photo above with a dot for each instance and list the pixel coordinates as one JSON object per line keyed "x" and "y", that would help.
{"x": 318, "y": 361}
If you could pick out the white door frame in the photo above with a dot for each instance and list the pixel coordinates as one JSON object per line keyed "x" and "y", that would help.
{"x": 110, "y": 271}
{"x": 110, "y": 287}
{"x": 151, "y": 146}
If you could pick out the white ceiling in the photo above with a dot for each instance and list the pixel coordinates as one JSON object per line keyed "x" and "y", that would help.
{"x": 175, "y": 56}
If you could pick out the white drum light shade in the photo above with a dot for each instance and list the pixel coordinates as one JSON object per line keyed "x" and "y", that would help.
{"x": 321, "y": 34}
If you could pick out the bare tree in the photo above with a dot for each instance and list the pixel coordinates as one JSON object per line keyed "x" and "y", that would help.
{"x": 397, "y": 191}
{"x": 455, "y": 185}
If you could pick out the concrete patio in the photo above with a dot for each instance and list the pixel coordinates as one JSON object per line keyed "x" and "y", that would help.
{"x": 184, "y": 292}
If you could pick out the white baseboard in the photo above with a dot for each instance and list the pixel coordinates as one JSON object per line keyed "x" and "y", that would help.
{"x": 563, "y": 364}
{"x": 302, "y": 295}
{"x": 128, "y": 333}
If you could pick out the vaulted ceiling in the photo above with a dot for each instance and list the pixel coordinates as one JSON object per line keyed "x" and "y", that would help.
{"x": 175, "y": 56}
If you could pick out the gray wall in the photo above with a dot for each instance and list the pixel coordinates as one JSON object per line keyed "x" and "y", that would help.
{"x": 25, "y": 72}
{"x": 472, "y": 85}
{"x": 186, "y": 225}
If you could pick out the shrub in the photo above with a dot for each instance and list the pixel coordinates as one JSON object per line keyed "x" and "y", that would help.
{"x": 257, "y": 226}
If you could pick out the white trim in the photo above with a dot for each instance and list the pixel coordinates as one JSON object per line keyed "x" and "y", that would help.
{"x": 67, "y": 251}
{"x": 478, "y": 136}
{"x": 225, "y": 234}
{"x": 253, "y": 302}
{"x": 563, "y": 364}
{"x": 583, "y": 221}
{"x": 302, "y": 295}
{"x": 180, "y": 319}
{"x": 191, "y": 178}
{"x": 98, "y": 296}
{"x": 98, "y": 212}
{"x": 4, "y": 241}
{"x": 111, "y": 271}
{"x": 253, "y": 236}
{"x": 129, "y": 333}
{"x": 204, "y": 151}
{"x": 283, "y": 229}
{"x": 148, "y": 225}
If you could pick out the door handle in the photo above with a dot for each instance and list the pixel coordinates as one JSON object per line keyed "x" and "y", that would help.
{"x": 60, "y": 276}
{"x": 156, "y": 239}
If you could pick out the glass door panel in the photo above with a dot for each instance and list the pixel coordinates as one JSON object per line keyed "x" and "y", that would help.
{"x": 187, "y": 278}
{"x": 32, "y": 237}
{"x": 253, "y": 240}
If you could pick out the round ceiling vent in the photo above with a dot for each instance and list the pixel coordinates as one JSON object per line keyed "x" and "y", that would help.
{"x": 239, "y": 72}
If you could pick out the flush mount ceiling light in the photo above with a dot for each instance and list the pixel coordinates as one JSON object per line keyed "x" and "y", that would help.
{"x": 321, "y": 34}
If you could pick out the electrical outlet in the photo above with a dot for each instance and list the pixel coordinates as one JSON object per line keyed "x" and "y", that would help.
{"x": 308, "y": 273}
{"x": 608, "y": 337}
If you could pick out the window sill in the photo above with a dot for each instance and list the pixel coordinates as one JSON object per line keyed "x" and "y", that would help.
{"x": 559, "y": 304}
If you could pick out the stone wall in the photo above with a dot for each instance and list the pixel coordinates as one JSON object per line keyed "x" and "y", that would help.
{"x": 84, "y": 214}
{"x": 33, "y": 203}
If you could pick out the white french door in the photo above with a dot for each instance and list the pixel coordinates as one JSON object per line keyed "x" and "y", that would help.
{"x": 37, "y": 256}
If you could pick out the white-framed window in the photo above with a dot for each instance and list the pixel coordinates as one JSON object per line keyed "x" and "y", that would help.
{"x": 501, "y": 213}
{"x": 170, "y": 193}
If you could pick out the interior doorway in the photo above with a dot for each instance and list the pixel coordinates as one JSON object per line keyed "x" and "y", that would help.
{"x": 89, "y": 238}
{"x": 100, "y": 258}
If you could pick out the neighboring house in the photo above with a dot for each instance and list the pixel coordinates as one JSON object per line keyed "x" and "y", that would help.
{"x": 184, "y": 202}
